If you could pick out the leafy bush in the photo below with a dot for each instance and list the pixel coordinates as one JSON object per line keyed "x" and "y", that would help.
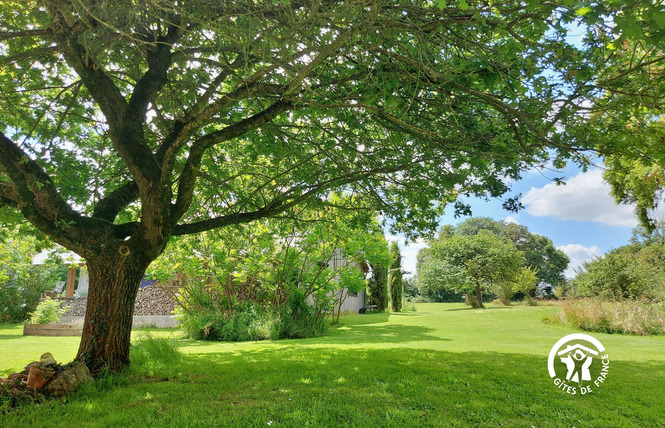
{"x": 632, "y": 317}
{"x": 48, "y": 311}
{"x": 629, "y": 272}
{"x": 523, "y": 283}
{"x": 275, "y": 278}
{"x": 248, "y": 320}
{"x": 21, "y": 283}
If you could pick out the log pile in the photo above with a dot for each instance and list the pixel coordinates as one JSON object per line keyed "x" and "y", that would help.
{"x": 156, "y": 299}
{"x": 44, "y": 377}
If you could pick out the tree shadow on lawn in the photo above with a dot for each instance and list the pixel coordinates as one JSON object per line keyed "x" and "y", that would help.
{"x": 294, "y": 386}
{"x": 486, "y": 388}
{"x": 359, "y": 334}
{"x": 490, "y": 308}
{"x": 352, "y": 334}
{"x": 9, "y": 337}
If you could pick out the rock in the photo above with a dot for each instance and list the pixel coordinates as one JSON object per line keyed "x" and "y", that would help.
{"x": 47, "y": 360}
{"x": 68, "y": 380}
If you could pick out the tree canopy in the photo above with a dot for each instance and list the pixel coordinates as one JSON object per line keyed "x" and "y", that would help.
{"x": 472, "y": 264}
{"x": 125, "y": 123}
{"x": 539, "y": 252}
{"x": 635, "y": 271}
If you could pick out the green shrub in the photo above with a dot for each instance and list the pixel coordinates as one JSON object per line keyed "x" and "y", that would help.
{"x": 21, "y": 283}
{"x": 629, "y": 272}
{"x": 632, "y": 317}
{"x": 243, "y": 324}
{"x": 395, "y": 279}
{"x": 504, "y": 292}
{"x": 299, "y": 320}
{"x": 377, "y": 288}
{"x": 250, "y": 321}
{"x": 48, "y": 311}
{"x": 396, "y": 290}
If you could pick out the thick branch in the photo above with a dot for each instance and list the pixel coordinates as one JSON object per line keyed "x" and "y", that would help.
{"x": 191, "y": 171}
{"x": 7, "y": 195}
{"x": 25, "y": 33}
{"x": 37, "y": 197}
{"x": 101, "y": 87}
{"x": 126, "y": 133}
{"x": 159, "y": 62}
{"x": 109, "y": 207}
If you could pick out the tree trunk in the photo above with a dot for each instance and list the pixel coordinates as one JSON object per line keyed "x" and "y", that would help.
{"x": 114, "y": 282}
{"x": 479, "y": 296}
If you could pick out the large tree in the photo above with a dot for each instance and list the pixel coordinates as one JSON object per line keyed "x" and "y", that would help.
{"x": 125, "y": 123}
{"x": 473, "y": 264}
{"x": 539, "y": 252}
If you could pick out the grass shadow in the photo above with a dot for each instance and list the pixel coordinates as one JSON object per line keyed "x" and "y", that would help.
{"x": 359, "y": 334}
{"x": 295, "y": 386}
{"x": 490, "y": 308}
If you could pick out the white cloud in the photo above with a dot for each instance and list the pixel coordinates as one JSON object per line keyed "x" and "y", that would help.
{"x": 578, "y": 254}
{"x": 409, "y": 252}
{"x": 513, "y": 218}
{"x": 585, "y": 197}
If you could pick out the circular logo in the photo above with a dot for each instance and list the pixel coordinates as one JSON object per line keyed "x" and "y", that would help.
{"x": 578, "y": 363}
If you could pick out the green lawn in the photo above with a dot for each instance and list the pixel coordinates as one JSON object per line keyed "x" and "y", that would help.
{"x": 444, "y": 365}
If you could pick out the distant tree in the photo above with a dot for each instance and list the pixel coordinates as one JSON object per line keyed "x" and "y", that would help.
{"x": 378, "y": 284}
{"x": 475, "y": 263}
{"x": 410, "y": 288}
{"x": 539, "y": 251}
{"x": 473, "y": 225}
{"x": 395, "y": 279}
{"x": 540, "y": 255}
{"x": 431, "y": 270}
{"x": 526, "y": 282}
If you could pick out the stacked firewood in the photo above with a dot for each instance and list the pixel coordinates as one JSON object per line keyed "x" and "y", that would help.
{"x": 157, "y": 299}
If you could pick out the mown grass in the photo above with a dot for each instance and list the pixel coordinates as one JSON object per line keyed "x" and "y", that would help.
{"x": 443, "y": 365}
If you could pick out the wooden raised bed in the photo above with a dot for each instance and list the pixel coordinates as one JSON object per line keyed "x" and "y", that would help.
{"x": 52, "y": 329}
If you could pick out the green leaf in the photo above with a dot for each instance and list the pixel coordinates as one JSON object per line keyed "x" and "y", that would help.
{"x": 583, "y": 11}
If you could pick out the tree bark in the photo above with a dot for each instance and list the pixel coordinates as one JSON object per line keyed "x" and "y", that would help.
{"x": 114, "y": 283}
{"x": 479, "y": 296}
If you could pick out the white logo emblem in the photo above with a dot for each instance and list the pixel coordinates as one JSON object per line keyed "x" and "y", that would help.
{"x": 577, "y": 362}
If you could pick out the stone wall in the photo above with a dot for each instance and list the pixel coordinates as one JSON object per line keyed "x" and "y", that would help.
{"x": 151, "y": 300}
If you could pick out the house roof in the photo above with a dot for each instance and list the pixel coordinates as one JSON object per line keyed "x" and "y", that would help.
{"x": 66, "y": 257}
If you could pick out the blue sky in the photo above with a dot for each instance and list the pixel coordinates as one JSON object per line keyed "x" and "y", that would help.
{"x": 580, "y": 217}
